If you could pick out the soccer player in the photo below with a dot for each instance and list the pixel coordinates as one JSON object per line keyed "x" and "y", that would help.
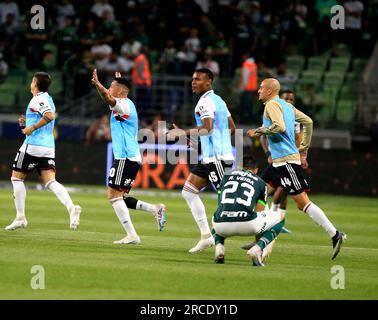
{"x": 214, "y": 126}
{"x": 127, "y": 158}
{"x": 241, "y": 212}
{"x": 38, "y": 152}
{"x": 278, "y": 125}
{"x": 279, "y": 200}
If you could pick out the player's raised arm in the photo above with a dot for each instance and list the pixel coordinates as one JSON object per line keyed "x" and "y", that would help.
{"x": 104, "y": 93}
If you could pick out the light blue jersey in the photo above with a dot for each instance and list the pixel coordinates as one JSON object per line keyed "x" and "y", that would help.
{"x": 124, "y": 127}
{"x": 283, "y": 144}
{"x": 38, "y": 106}
{"x": 217, "y": 145}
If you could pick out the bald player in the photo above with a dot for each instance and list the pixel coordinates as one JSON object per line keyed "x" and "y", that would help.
{"x": 278, "y": 126}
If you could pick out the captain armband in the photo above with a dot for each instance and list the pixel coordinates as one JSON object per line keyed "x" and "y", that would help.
{"x": 47, "y": 119}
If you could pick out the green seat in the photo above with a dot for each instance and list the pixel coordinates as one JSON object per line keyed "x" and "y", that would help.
{"x": 358, "y": 64}
{"x": 333, "y": 78}
{"x": 311, "y": 76}
{"x": 345, "y": 111}
{"x": 340, "y": 64}
{"x": 7, "y": 101}
{"x": 346, "y": 92}
{"x": 317, "y": 63}
{"x": 295, "y": 64}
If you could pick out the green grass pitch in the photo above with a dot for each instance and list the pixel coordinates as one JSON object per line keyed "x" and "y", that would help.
{"x": 85, "y": 264}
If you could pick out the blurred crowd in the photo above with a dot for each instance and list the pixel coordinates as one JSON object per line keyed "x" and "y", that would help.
{"x": 181, "y": 33}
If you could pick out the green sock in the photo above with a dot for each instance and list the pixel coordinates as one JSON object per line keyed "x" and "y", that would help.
{"x": 269, "y": 235}
{"x": 218, "y": 239}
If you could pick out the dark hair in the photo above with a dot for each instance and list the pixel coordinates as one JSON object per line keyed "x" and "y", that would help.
{"x": 43, "y": 81}
{"x": 249, "y": 162}
{"x": 207, "y": 72}
{"x": 286, "y": 91}
{"x": 124, "y": 82}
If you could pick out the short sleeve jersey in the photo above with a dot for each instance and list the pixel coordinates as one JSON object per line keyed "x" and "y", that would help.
{"x": 239, "y": 194}
{"x": 124, "y": 128}
{"x": 217, "y": 145}
{"x": 38, "y": 106}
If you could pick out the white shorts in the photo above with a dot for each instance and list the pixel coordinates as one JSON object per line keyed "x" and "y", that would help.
{"x": 265, "y": 220}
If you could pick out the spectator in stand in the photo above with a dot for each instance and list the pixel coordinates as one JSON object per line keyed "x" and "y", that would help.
{"x": 67, "y": 40}
{"x": 353, "y": 23}
{"x": 248, "y": 87}
{"x": 208, "y": 31}
{"x": 3, "y": 68}
{"x": 99, "y": 131}
{"x": 101, "y": 6}
{"x": 141, "y": 77}
{"x": 131, "y": 48}
{"x": 283, "y": 77}
{"x": 9, "y": 7}
{"x": 207, "y": 62}
{"x": 78, "y": 68}
{"x": 168, "y": 60}
{"x": 276, "y": 42}
{"x": 62, "y": 11}
{"x": 243, "y": 40}
{"x": 113, "y": 63}
{"x": 88, "y": 34}
{"x": 221, "y": 53}
{"x": 141, "y": 36}
{"x": 10, "y": 35}
{"x": 34, "y": 42}
{"x": 193, "y": 46}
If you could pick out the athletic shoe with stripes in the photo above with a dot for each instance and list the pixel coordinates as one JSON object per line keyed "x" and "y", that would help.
{"x": 255, "y": 254}
{"x": 160, "y": 216}
{"x": 337, "y": 241}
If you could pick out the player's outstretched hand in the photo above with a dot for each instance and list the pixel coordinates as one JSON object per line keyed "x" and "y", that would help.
{"x": 175, "y": 132}
{"x": 28, "y": 130}
{"x": 251, "y": 133}
{"x": 118, "y": 74}
{"x": 95, "y": 78}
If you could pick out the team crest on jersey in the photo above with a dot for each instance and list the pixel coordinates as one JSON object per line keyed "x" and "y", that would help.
{"x": 119, "y": 117}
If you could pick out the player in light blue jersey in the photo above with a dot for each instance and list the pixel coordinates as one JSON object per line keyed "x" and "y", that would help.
{"x": 127, "y": 158}
{"x": 38, "y": 152}
{"x": 214, "y": 126}
{"x": 278, "y": 125}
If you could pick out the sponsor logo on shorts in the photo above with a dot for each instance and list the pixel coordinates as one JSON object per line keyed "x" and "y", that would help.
{"x": 31, "y": 166}
{"x": 234, "y": 214}
{"x": 51, "y": 162}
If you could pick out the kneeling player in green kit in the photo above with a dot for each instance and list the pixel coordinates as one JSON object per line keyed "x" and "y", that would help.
{"x": 240, "y": 212}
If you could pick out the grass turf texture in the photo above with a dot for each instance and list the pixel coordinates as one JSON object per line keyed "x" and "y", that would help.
{"x": 85, "y": 264}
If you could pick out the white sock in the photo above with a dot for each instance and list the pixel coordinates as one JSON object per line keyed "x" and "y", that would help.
{"x": 190, "y": 194}
{"x": 19, "y": 195}
{"x": 320, "y": 218}
{"x": 274, "y": 206}
{"x": 141, "y": 205}
{"x": 282, "y": 212}
{"x": 61, "y": 193}
{"x": 123, "y": 215}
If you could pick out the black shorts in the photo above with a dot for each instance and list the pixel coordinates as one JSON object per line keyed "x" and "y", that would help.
{"x": 288, "y": 176}
{"x": 213, "y": 171}
{"x": 26, "y": 163}
{"x": 122, "y": 174}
